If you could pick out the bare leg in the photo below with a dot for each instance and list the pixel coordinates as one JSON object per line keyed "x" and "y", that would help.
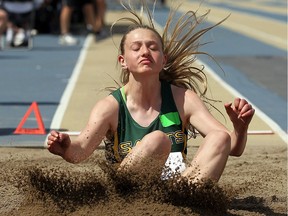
{"x": 211, "y": 157}
{"x": 89, "y": 13}
{"x": 65, "y": 19}
{"x": 3, "y": 21}
{"x": 100, "y": 15}
{"x": 155, "y": 145}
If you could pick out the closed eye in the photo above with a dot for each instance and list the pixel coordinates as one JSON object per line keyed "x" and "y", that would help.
{"x": 135, "y": 47}
{"x": 153, "y": 47}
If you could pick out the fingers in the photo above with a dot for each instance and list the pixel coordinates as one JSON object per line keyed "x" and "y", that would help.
{"x": 53, "y": 137}
{"x": 229, "y": 109}
{"x": 56, "y": 142}
{"x": 54, "y": 134}
{"x": 239, "y": 103}
{"x": 243, "y": 107}
{"x": 246, "y": 110}
{"x": 227, "y": 105}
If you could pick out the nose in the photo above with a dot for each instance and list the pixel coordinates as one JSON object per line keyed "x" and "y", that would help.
{"x": 145, "y": 50}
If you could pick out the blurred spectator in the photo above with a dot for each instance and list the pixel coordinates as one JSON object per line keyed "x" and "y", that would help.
{"x": 20, "y": 19}
{"x": 3, "y": 22}
{"x": 100, "y": 9}
{"x": 65, "y": 19}
{"x": 47, "y": 17}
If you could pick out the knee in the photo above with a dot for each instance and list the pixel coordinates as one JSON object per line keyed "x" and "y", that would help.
{"x": 157, "y": 141}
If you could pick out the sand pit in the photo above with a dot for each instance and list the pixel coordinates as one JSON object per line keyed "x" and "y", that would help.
{"x": 35, "y": 182}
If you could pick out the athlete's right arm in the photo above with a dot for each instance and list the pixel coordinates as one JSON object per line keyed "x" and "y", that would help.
{"x": 104, "y": 117}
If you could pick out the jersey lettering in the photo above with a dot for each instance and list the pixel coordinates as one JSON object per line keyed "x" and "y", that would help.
{"x": 125, "y": 148}
{"x": 176, "y": 137}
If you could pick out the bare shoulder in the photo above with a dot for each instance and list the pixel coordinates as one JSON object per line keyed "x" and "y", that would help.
{"x": 187, "y": 101}
{"x": 184, "y": 95}
{"x": 107, "y": 104}
{"x": 106, "y": 110}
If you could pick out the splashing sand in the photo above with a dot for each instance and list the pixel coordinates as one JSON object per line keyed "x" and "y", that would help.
{"x": 37, "y": 183}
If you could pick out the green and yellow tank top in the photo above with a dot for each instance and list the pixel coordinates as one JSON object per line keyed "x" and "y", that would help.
{"x": 129, "y": 132}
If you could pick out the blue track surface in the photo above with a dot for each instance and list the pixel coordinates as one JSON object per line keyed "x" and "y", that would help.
{"x": 278, "y": 17}
{"x": 42, "y": 73}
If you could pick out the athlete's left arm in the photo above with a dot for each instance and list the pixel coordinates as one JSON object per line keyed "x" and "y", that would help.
{"x": 240, "y": 114}
{"x": 192, "y": 110}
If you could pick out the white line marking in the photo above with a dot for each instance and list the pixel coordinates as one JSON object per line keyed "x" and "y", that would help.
{"x": 276, "y": 128}
{"x": 250, "y": 132}
{"x": 61, "y": 109}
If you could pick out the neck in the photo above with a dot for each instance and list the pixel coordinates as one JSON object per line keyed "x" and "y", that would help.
{"x": 144, "y": 93}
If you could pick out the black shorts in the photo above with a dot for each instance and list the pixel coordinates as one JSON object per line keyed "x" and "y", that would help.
{"x": 76, "y": 3}
{"x": 19, "y": 19}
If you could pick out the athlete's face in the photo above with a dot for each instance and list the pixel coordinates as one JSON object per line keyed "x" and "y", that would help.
{"x": 143, "y": 52}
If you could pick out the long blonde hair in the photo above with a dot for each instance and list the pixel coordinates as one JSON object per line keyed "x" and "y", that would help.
{"x": 180, "y": 41}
